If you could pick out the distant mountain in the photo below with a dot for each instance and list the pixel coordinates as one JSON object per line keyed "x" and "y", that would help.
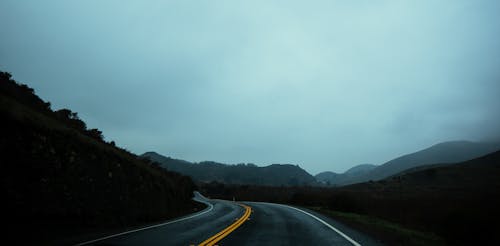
{"x": 443, "y": 153}
{"x": 334, "y": 179}
{"x": 484, "y": 170}
{"x": 329, "y": 178}
{"x": 360, "y": 169}
{"x": 276, "y": 174}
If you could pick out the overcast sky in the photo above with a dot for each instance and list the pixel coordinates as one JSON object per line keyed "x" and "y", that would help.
{"x": 323, "y": 84}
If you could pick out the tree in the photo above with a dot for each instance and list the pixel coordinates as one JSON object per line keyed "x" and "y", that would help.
{"x": 71, "y": 118}
{"x": 67, "y": 114}
{"x": 95, "y": 133}
{"x": 5, "y": 75}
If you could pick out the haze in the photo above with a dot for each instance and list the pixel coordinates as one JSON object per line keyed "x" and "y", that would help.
{"x": 323, "y": 84}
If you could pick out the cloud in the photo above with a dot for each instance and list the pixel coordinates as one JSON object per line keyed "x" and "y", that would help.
{"x": 325, "y": 84}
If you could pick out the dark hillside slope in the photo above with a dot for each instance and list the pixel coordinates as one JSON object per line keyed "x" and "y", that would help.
{"x": 60, "y": 179}
{"x": 360, "y": 169}
{"x": 459, "y": 201}
{"x": 447, "y": 152}
{"x": 207, "y": 171}
{"x": 479, "y": 173}
{"x": 337, "y": 179}
{"x": 328, "y": 177}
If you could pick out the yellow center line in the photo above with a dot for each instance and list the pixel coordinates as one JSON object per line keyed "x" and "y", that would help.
{"x": 222, "y": 234}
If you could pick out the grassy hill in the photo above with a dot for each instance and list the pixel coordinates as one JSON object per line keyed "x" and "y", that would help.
{"x": 274, "y": 175}
{"x": 459, "y": 201}
{"x": 443, "y": 153}
{"x": 60, "y": 179}
{"x": 335, "y": 179}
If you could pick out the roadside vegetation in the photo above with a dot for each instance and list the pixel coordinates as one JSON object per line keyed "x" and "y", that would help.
{"x": 60, "y": 179}
{"x": 389, "y": 232}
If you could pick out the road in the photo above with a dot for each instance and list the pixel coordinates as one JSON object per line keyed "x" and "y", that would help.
{"x": 267, "y": 224}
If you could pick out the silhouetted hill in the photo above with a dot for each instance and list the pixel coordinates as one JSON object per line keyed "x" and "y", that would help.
{"x": 447, "y": 152}
{"x": 360, "y": 169}
{"x": 482, "y": 172}
{"x": 457, "y": 201}
{"x": 61, "y": 179}
{"x": 276, "y": 174}
{"x": 335, "y": 179}
{"x": 328, "y": 177}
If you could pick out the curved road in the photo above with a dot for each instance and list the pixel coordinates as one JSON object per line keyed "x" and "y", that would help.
{"x": 269, "y": 224}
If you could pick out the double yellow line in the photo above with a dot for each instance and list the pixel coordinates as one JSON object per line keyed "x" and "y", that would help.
{"x": 222, "y": 234}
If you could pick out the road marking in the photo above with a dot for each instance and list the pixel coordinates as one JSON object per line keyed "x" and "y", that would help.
{"x": 222, "y": 234}
{"x": 328, "y": 225}
{"x": 210, "y": 207}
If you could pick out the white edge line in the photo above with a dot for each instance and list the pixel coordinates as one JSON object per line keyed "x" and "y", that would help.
{"x": 325, "y": 223}
{"x": 153, "y": 226}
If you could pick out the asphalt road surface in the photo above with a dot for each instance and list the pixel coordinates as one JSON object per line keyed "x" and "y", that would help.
{"x": 267, "y": 224}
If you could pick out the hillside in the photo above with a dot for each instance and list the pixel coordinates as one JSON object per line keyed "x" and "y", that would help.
{"x": 360, "y": 169}
{"x": 457, "y": 201}
{"x": 334, "y": 179}
{"x": 482, "y": 172}
{"x": 443, "y": 153}
{"x": 328, "y": 177}
{"x": 274, "y": 175}
{"x": 60, "y": 179}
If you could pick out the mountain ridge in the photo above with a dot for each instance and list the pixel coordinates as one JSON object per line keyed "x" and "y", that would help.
{"x": 331, "y": 178}
{"x": 209, "y": 171}
{"x": 449, "y": 152}
{"x": 444, "y": 153}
